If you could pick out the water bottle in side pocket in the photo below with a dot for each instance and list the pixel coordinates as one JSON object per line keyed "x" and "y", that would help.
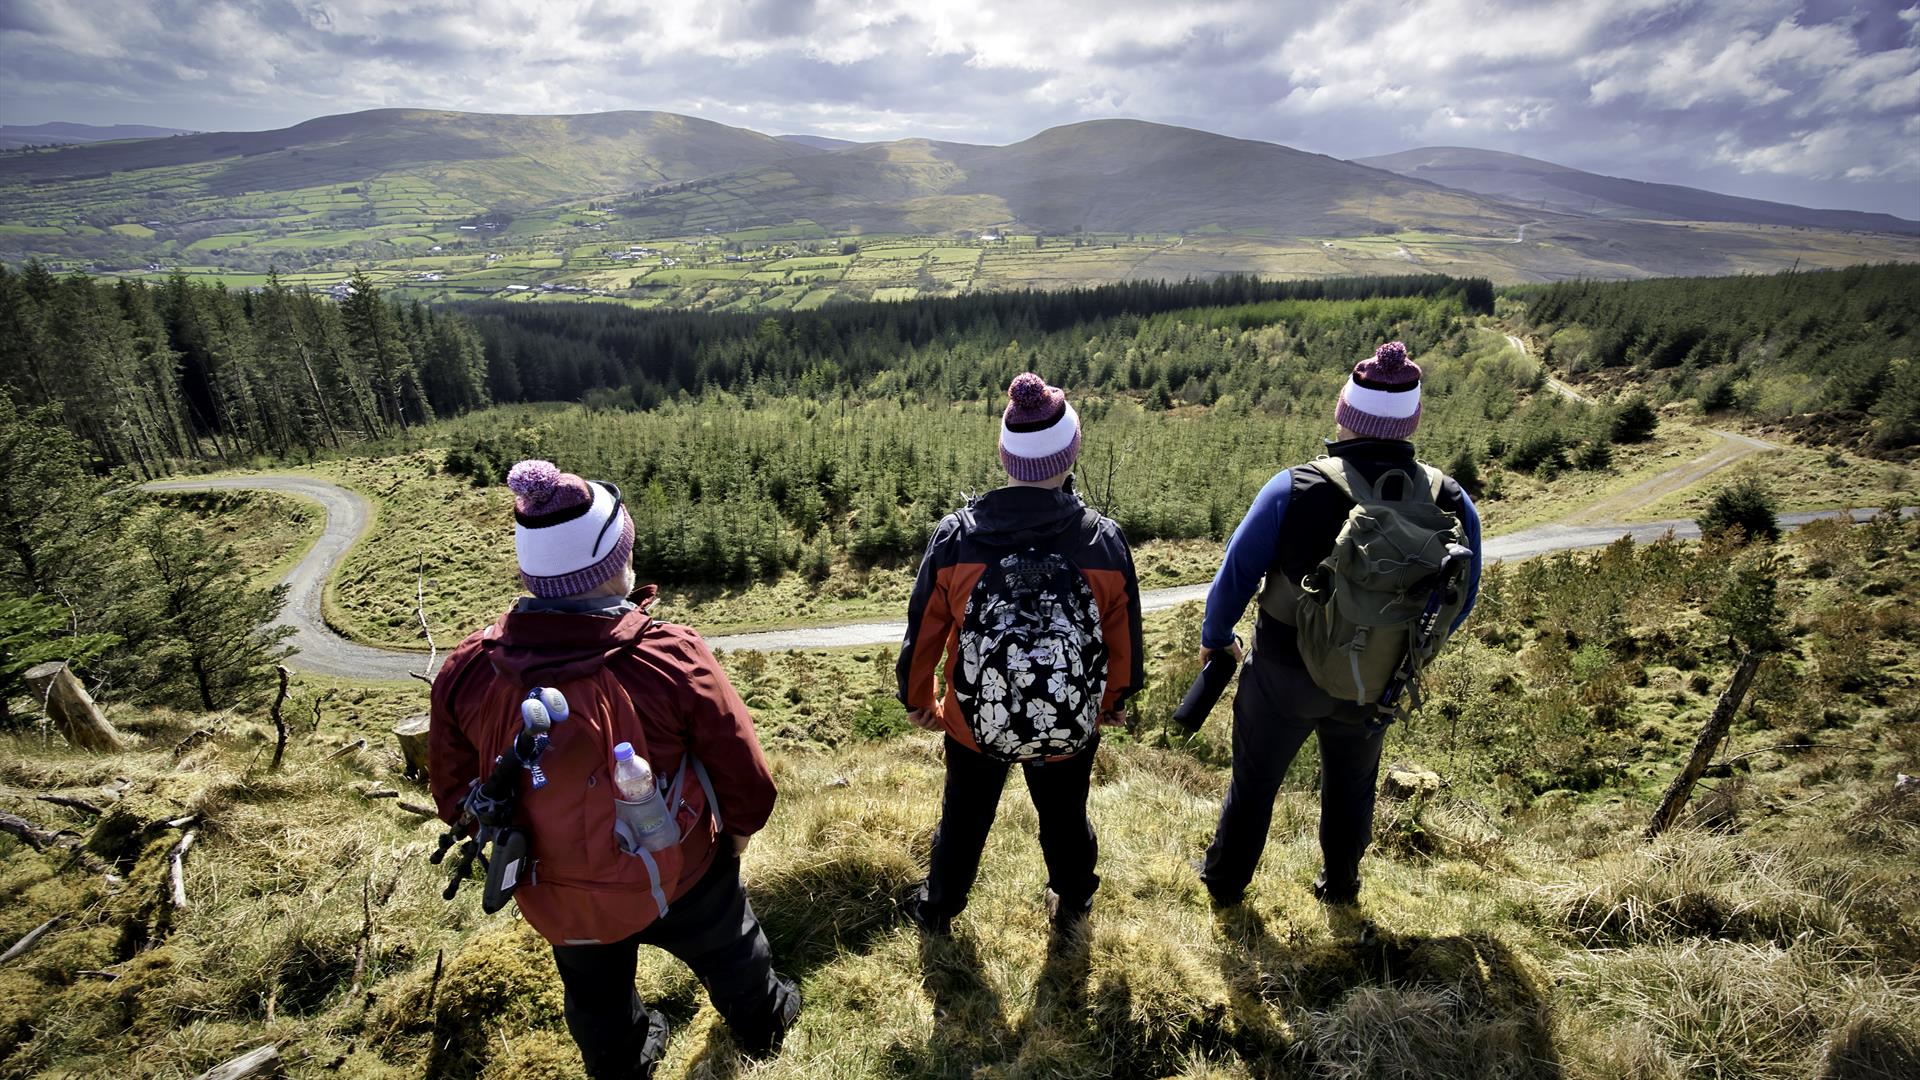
{"x": 642, "y": 819}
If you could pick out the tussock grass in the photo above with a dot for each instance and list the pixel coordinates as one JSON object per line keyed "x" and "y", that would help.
{"x": 1689, "y": 886}
{"x": 1737, "y": 1010}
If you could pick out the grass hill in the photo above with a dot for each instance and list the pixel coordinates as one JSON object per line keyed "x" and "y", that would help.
{"x": 657, "y": 209}
{"x": 1534, "y": 182}
{"x": 818, "y": 142}
{"x": 1103, "y": 176}
{"x": 490, "y": 160}
{"x": 14, "y": 136}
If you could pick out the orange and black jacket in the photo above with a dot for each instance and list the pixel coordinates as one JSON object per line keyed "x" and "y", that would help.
{"x": 1005, "y": 519}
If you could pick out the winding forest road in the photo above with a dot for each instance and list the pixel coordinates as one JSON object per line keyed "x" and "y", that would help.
{"x": 324, "y": 652}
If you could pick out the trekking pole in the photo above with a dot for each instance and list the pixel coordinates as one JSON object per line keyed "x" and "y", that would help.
{"x": 1407, "y": 679}
{"x": 487, "y": 812}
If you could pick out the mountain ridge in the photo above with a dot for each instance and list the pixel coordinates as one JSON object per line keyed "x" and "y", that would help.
{"x": 1528, "y": 180}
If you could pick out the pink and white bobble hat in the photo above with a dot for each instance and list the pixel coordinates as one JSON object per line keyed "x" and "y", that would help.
{"x": 1039, "y": 431}
{"x": 1382, "y": 399}
{"x": 565, "y": 530}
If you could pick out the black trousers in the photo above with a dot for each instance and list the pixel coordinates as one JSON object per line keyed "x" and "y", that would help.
{"x": 1276, "y": 707}
{"x": 972, "y": 797}
{"x": 712, "y": 929}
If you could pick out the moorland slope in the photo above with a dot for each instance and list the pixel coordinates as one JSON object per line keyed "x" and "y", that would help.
{"x": 1530, "y": 181}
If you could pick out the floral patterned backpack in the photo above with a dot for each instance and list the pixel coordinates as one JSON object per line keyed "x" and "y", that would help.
{"x": 1033, "y": 663}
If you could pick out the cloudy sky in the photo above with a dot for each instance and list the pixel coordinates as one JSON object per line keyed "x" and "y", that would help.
{"x": 1815, "y": 102}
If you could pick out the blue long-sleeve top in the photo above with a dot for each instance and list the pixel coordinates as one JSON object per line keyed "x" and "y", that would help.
{"x": 1251, "y": 551}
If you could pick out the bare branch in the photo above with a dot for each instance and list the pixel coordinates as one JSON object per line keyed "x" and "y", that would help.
{"x": 71, "y": 803}
{"x": 177, "y": 869}
{"x": 279, "y": 723}
{"x": 32, "y": 936}
{"x": 357, "y": 744}
{"x": 420, "y": 611}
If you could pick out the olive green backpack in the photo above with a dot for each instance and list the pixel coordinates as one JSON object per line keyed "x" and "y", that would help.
{"x": 1383, "y": 601}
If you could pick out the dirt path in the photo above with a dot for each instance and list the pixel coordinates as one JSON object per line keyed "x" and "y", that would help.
{"x": 324, "y": 652}
{"x": 1733, "y": 447}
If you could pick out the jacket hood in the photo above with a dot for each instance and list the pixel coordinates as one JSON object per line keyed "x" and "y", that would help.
{"x": 538, "y": 648}
{"x": 1013, "y": 516}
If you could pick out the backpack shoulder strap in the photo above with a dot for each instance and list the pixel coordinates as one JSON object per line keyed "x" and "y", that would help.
{"x": 1343, "y": 475}
{"x": 1436, "y": 481}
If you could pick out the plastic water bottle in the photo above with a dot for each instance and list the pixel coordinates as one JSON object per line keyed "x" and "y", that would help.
{"x": 642, "y": 818}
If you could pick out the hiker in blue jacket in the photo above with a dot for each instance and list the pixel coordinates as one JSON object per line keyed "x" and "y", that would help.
{"x": 1288, "y": 530}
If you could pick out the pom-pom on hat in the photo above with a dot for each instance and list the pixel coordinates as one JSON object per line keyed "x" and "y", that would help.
{"x": 571, "y": 535}
{"x": 1039, "y": 431}
{"x": 1382, "y": 398}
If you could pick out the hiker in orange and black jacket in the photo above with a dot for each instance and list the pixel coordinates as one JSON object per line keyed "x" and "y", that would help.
{"x": 1037, "y": 510}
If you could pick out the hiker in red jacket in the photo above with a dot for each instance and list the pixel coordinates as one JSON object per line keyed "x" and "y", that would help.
{"x": 1031, "y": 596}
{"x": 627, "y": 678}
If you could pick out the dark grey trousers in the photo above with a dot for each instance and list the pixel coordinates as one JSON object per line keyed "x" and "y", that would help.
{"x": 967, "y": 809}
{"x": 1276, "y": 707}
{"x": 712, "y": 929}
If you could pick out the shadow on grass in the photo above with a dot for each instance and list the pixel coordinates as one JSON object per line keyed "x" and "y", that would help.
{"x": 1366, "y": 1002}
{"x": 817, "y": 911}
{"x": 969, "y": 1019}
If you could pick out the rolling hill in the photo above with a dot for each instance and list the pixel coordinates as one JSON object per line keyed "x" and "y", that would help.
{"x": 454, "y": 205}
{"x": 1108, "y": 176}
{"x": 491, "y": 160}
{"x": 14, "y": 136}
{"x": 1534, "y": 182}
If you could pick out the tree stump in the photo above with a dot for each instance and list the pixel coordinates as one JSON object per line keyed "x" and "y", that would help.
{"x": 1409, "y": 781}
{"x": 412, "y": 733}
{"x": 70, "y": 707}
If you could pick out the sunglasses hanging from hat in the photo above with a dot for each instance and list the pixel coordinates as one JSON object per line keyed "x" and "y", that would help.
{"x": 618, "y": 504}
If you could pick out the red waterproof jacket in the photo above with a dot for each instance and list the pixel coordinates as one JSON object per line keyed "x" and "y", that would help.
{"x": 676, "y": 701}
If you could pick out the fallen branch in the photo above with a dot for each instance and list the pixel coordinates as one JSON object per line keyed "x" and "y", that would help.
{"x": 257, "y": 1062}
{"x": 357, "y": 744}
{"x": 433, "y": 987}
{"x": 379, "y": 794}
{"x": 97, "y": 973}
{"x": 177, "y": 869}
{"x": 32, "y": 936}
{"x": 416, "y": 808}
{"x": 40, "y": 840}
{"x": 279, "y": 724}
{"x": 194, "y": 738}
{"x": 366, "y": 934}
{"x": 71, "y": 803}
{"x": 20, "y": 827}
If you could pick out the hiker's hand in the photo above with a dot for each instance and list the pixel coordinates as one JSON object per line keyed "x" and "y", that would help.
{"x": 739, "y": 843}
{"x": 924, "y": 719}
{"x": 1117, "y": 718}
{"x": 1239, "y": 654}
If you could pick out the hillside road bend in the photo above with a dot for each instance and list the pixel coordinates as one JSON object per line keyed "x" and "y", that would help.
{"x": 322, "y": 651}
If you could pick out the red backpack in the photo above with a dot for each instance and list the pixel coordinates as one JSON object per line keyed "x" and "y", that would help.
{"x": 580, "y": 887}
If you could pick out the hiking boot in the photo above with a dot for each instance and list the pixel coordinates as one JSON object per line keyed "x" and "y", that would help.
{"x": 1345, "y": 895}
{"x": 1221, "y": 898}
{"x": 765, "y": 1042}
{"x": 1065, "y": 917}
{"x": 929, "y": 923}
{"x": 653, "y": 1048}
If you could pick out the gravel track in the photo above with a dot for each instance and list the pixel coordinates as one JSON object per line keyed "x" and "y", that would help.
{"x": 324, "y": 652}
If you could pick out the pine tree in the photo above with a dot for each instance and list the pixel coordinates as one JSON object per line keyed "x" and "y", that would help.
{"x": 212, "y": 628}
